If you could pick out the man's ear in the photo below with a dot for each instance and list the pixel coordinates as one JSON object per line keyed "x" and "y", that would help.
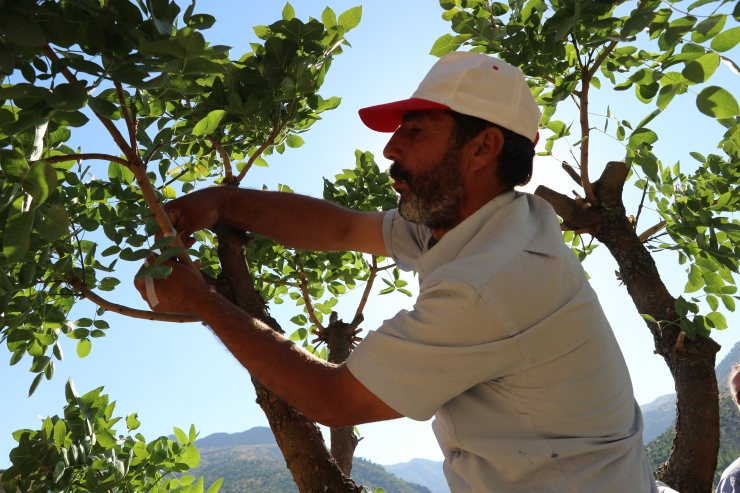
{"x": 485, "y": 148}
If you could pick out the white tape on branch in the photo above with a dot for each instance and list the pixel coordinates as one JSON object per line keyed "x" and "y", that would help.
{"x": 149, "y": 284}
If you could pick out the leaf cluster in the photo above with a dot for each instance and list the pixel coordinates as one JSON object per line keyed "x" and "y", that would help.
{"x": 80, "y": 451}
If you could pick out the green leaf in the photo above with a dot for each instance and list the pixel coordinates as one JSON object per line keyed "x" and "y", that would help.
{"x": 701, "y": 69}
{"x": 329, "y": 19}
{"x": 68, "y": 97}
{"x": 84, "y": 347}
{"x": 13, "y": 164}
{"x": 215, "y": 486}
{"x": 642, "y": 136}
{"x": 288, "y": 12}
{"x": 192, "y": 434}
{"x": 294, "y": 141}
{"x": 35, "y": 384}
{"x": 713, "y": 302}
{"x": 201, "y": 21}
{"x": 17, "y": 236}
{"x": 350, "y": 18}
{"x": 729, "y": 302}
{"x": 21, "y": 29}
{"x": 446, "y": 44}
{"x": 717, "y": 102}
{"x": 708, "y": 28}
{"x": 120, "y": 173}
{"x": 210, "y": 123}
{"x": 181, "y": 436}
{"x": 720, "y": 323}
{"x": 637, "y": 21}
{"x": 132, "y": 422}
{"x": 60, "y": 432}
{"x": 726, "y": 40}
{"x": 40, "y": 182}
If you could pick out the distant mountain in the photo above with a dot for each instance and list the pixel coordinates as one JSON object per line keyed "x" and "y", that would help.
{"x": 259, "y": 435}
{"x": 251, "y": 462}
{"x": 424, "y": 472}
{"x": 661, "y": 413}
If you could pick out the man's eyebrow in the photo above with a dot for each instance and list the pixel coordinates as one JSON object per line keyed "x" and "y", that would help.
{"x": 412, "y": 116}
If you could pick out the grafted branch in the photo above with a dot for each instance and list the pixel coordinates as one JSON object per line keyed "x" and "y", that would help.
{"x": 228, "y": 173}
{"x": 307, "y": 297}
{"x": 82, "y": 157}
{"x": 77, "y": 284}
{"x": 368, "y": 287}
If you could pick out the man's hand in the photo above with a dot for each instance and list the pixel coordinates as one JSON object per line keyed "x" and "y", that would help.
{"x": 181, "y": 292}
{"x": 193, "y": 212}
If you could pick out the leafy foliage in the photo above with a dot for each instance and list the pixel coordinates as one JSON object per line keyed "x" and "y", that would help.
{"x": 195, "y": 115}
{"x": 81, "y": 452}
{"x": 566, "y": 47}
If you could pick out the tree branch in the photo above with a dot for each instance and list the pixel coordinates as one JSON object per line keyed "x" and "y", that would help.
{"x": 571, "y": 172}
{"x": 224, "y": 157}
{"x": 86, "y": 292}
{"x": 82, "y": 157}
{"x": 585, "y": 131}
{"x": 642, "y": 201}
{"x": 126, "y": 115}
{"x": 307, "y": 297}
{"x": 645, "y": 236}
{"x": 107, "y": 123}
{"x": 368, "y": 287}
{"x": 258, "y": 152}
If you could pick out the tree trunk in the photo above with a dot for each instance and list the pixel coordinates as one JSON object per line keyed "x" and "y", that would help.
{"x": 339, "y": 340}
{"x": 693, "y": 459}
{"x": 313, "y": 468}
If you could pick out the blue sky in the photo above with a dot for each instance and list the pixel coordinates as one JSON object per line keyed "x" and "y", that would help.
{"x": 175, "y": 375}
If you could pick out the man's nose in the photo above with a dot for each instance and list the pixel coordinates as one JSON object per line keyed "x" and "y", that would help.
{"x": 392, "y": 151}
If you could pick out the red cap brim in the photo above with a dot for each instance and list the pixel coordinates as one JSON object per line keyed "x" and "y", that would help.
{"x": 387, "y": 117}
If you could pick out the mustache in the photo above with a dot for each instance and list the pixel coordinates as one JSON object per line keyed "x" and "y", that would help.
{"x": 398, "y": 173}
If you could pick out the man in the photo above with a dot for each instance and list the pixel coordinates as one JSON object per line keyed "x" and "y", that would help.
{"x": 507, "y": 345}
{"x": 730, "y": 480}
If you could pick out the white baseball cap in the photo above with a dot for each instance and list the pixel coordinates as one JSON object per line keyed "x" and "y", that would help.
{"x": 473, "y": 84}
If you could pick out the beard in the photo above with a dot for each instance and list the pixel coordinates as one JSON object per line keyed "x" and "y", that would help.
{"x": 434, "y": 195}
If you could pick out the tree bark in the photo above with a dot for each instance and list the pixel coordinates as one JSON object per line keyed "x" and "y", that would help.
{"x": 339, "y": 340}
{"x": 313, "y": 468}
{"x": 693, "y": 459}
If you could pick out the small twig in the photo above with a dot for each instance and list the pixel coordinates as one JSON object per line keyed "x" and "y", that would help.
{"x": 154, "y": 150}
{"x": 642, "y": 202}
{"x": 578, "y": 50}
{"x": 279, "y": 283}
{"x": 129, "y": 118}
{"x": 571, "y": 172}
{"x": 368, "y": 287}
{"x": 224, "y": 157}
{"x": 645, "y": 236}
{"x": 177, "y": 177}
{"x": 80, "y": 157}
{"x": 307, "y": 297}
{"x": 77, "y": 283}
{"x": 107, "y": 123}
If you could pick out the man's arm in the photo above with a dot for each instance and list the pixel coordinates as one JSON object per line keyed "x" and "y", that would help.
{"x": 326, "y": 393}
{"x": 292, "y": 220}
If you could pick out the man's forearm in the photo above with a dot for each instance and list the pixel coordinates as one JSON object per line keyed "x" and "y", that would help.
{"x": 301, "y": 222}
{"x": 324, "y": 392}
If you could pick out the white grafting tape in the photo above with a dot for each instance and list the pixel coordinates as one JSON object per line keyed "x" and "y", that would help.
{"x": 149, "y": 284}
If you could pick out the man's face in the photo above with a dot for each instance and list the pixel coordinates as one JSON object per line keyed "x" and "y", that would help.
{"x": 426, "y": 170}
{"x": 735, "y": 388}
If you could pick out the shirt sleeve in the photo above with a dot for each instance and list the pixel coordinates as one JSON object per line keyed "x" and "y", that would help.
{"x": 420, "y": 359}
{"x": 404, "y": 241}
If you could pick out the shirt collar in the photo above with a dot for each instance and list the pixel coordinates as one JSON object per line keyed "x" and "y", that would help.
{"x": 454, "y": 241}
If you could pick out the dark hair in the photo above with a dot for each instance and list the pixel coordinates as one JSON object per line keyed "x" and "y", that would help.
{"x": 517, "y": 154}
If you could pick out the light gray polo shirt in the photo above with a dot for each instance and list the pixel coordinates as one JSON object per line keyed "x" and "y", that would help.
{"x": 508, "y": 347}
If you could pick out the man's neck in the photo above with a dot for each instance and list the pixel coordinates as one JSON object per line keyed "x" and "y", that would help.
{"x": 468, "y": 208}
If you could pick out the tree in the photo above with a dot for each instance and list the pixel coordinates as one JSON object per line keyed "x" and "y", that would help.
{"x": 165, "y": 96}
{"x": 566, "y": 48}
